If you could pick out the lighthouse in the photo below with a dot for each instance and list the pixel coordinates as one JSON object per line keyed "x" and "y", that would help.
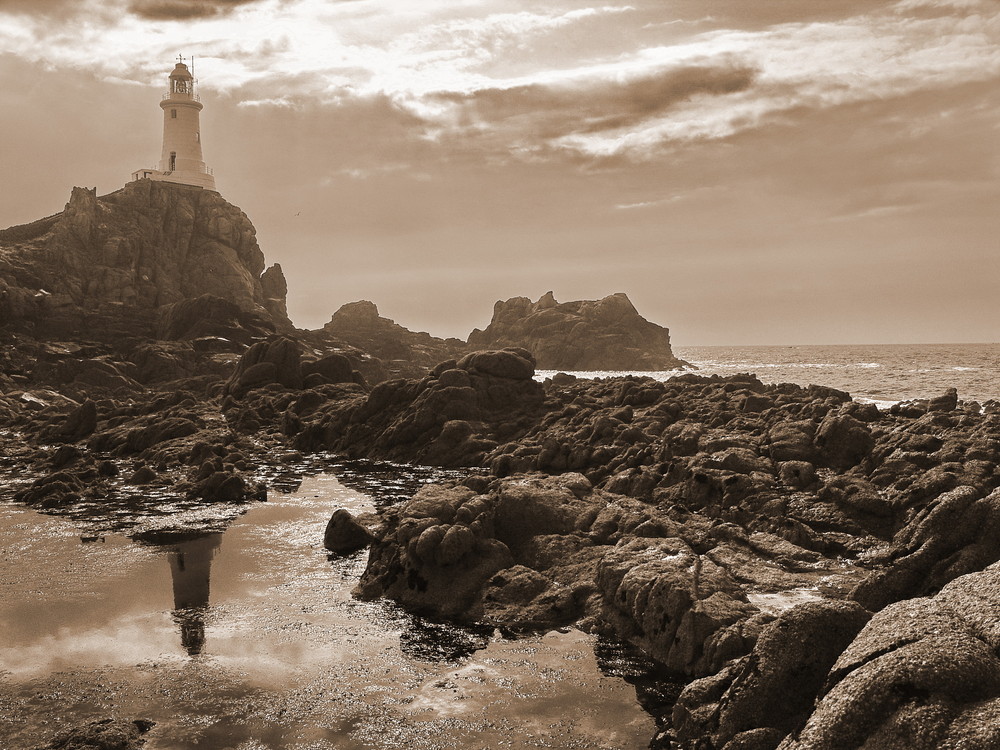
{"x": 181, "y": 160}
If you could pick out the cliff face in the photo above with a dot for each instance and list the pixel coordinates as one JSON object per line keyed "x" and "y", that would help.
{"x": 144, "y": 246}
{"x": 605, "y": 334}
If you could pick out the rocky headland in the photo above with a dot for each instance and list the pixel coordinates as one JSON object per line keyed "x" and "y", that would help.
{"x": 814, "y": 571}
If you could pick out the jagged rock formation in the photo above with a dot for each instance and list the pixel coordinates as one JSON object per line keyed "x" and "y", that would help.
{"x": 147, "y": 245}
{"x": 359, "y": 325}
{"x": 279, "y": 360}
{"x": 606, "y": 334}
{"x": 451, "y": 417}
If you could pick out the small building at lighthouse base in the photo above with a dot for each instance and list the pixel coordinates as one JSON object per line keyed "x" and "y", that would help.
{"x": 196, "y": 179}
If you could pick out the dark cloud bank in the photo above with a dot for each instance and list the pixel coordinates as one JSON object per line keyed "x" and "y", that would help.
{"x": 165, "y": 10}
{"x": 583, "y": 107}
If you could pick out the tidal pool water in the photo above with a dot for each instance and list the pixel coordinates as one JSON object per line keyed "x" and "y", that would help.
{"x": 249, "y": 639}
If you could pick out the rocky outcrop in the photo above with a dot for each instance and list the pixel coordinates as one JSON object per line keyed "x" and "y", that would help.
{"x": 99, "y": 451}
{"x": 954, "y": 534}
{"x": 923, "y": 674}
{"x": 147, "y": 245}
{"x": 405, "y": 352}
{"x": 279, "y": 360}
{"x": 208, "y": 317}
{"x": 451, "y": 417}
{"x": 688, "y": 517}
{"x": 757, "y": 700}
{"x": 534, "y": 551}
{"x": 275, "y": 289}
{"x": 606, "y": 334}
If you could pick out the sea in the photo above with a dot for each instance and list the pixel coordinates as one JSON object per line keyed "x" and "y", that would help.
{"x": 879, "y": 373}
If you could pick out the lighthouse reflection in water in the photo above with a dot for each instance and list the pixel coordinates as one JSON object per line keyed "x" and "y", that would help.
{"x": 190, "y": 570}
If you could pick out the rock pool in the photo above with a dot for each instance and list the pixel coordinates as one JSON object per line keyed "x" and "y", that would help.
{"x": 248, "y": 638}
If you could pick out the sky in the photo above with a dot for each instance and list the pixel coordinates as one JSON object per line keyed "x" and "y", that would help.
{"x": 773, "y": 172}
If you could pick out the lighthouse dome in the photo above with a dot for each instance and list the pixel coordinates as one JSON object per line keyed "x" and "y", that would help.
{"x": 181, "y": 72}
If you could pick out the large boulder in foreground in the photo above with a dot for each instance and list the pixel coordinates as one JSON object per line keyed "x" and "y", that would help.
{"x": 757, "y": 700}
{"x": 923, "y": 674}
{"x": 517, "y": 556}
{"x": 605, "y": 334}
{"x": 538, "y": 551}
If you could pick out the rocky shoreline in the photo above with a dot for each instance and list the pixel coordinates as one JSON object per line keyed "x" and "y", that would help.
{"x": 819, "y": 573}
{"x": 788, "y": 551}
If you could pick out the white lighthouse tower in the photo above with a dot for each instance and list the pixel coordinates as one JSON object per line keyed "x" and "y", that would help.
{"x": 181, "y": 160}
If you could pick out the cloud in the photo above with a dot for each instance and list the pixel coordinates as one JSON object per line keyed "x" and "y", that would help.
{"x": 32, "y": 6}
{"x": 588, "y": 83}
{"x": 56, "y": 10}
{"x": 168, "y": 10}
{"x": 538, "y": 114}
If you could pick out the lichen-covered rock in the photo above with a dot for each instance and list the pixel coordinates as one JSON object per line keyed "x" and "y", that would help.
{"x": 677, "y": 604}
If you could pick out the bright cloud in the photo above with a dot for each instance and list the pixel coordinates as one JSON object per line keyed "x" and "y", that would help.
{"x": 449, "y": 63}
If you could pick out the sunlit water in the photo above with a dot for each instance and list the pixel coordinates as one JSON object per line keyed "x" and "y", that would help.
{"x": 249, "y": 639}
{"x": 884, "y": 374}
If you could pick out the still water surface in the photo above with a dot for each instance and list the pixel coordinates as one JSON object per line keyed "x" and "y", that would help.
{"x": 249, "y": 639}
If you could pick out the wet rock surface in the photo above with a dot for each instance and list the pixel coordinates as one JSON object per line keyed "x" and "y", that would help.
{"x": 105, "y": 734}
{"x": 344, "y": 534}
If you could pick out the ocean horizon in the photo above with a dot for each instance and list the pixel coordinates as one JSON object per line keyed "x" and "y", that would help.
{"x": 880, "y": 373}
